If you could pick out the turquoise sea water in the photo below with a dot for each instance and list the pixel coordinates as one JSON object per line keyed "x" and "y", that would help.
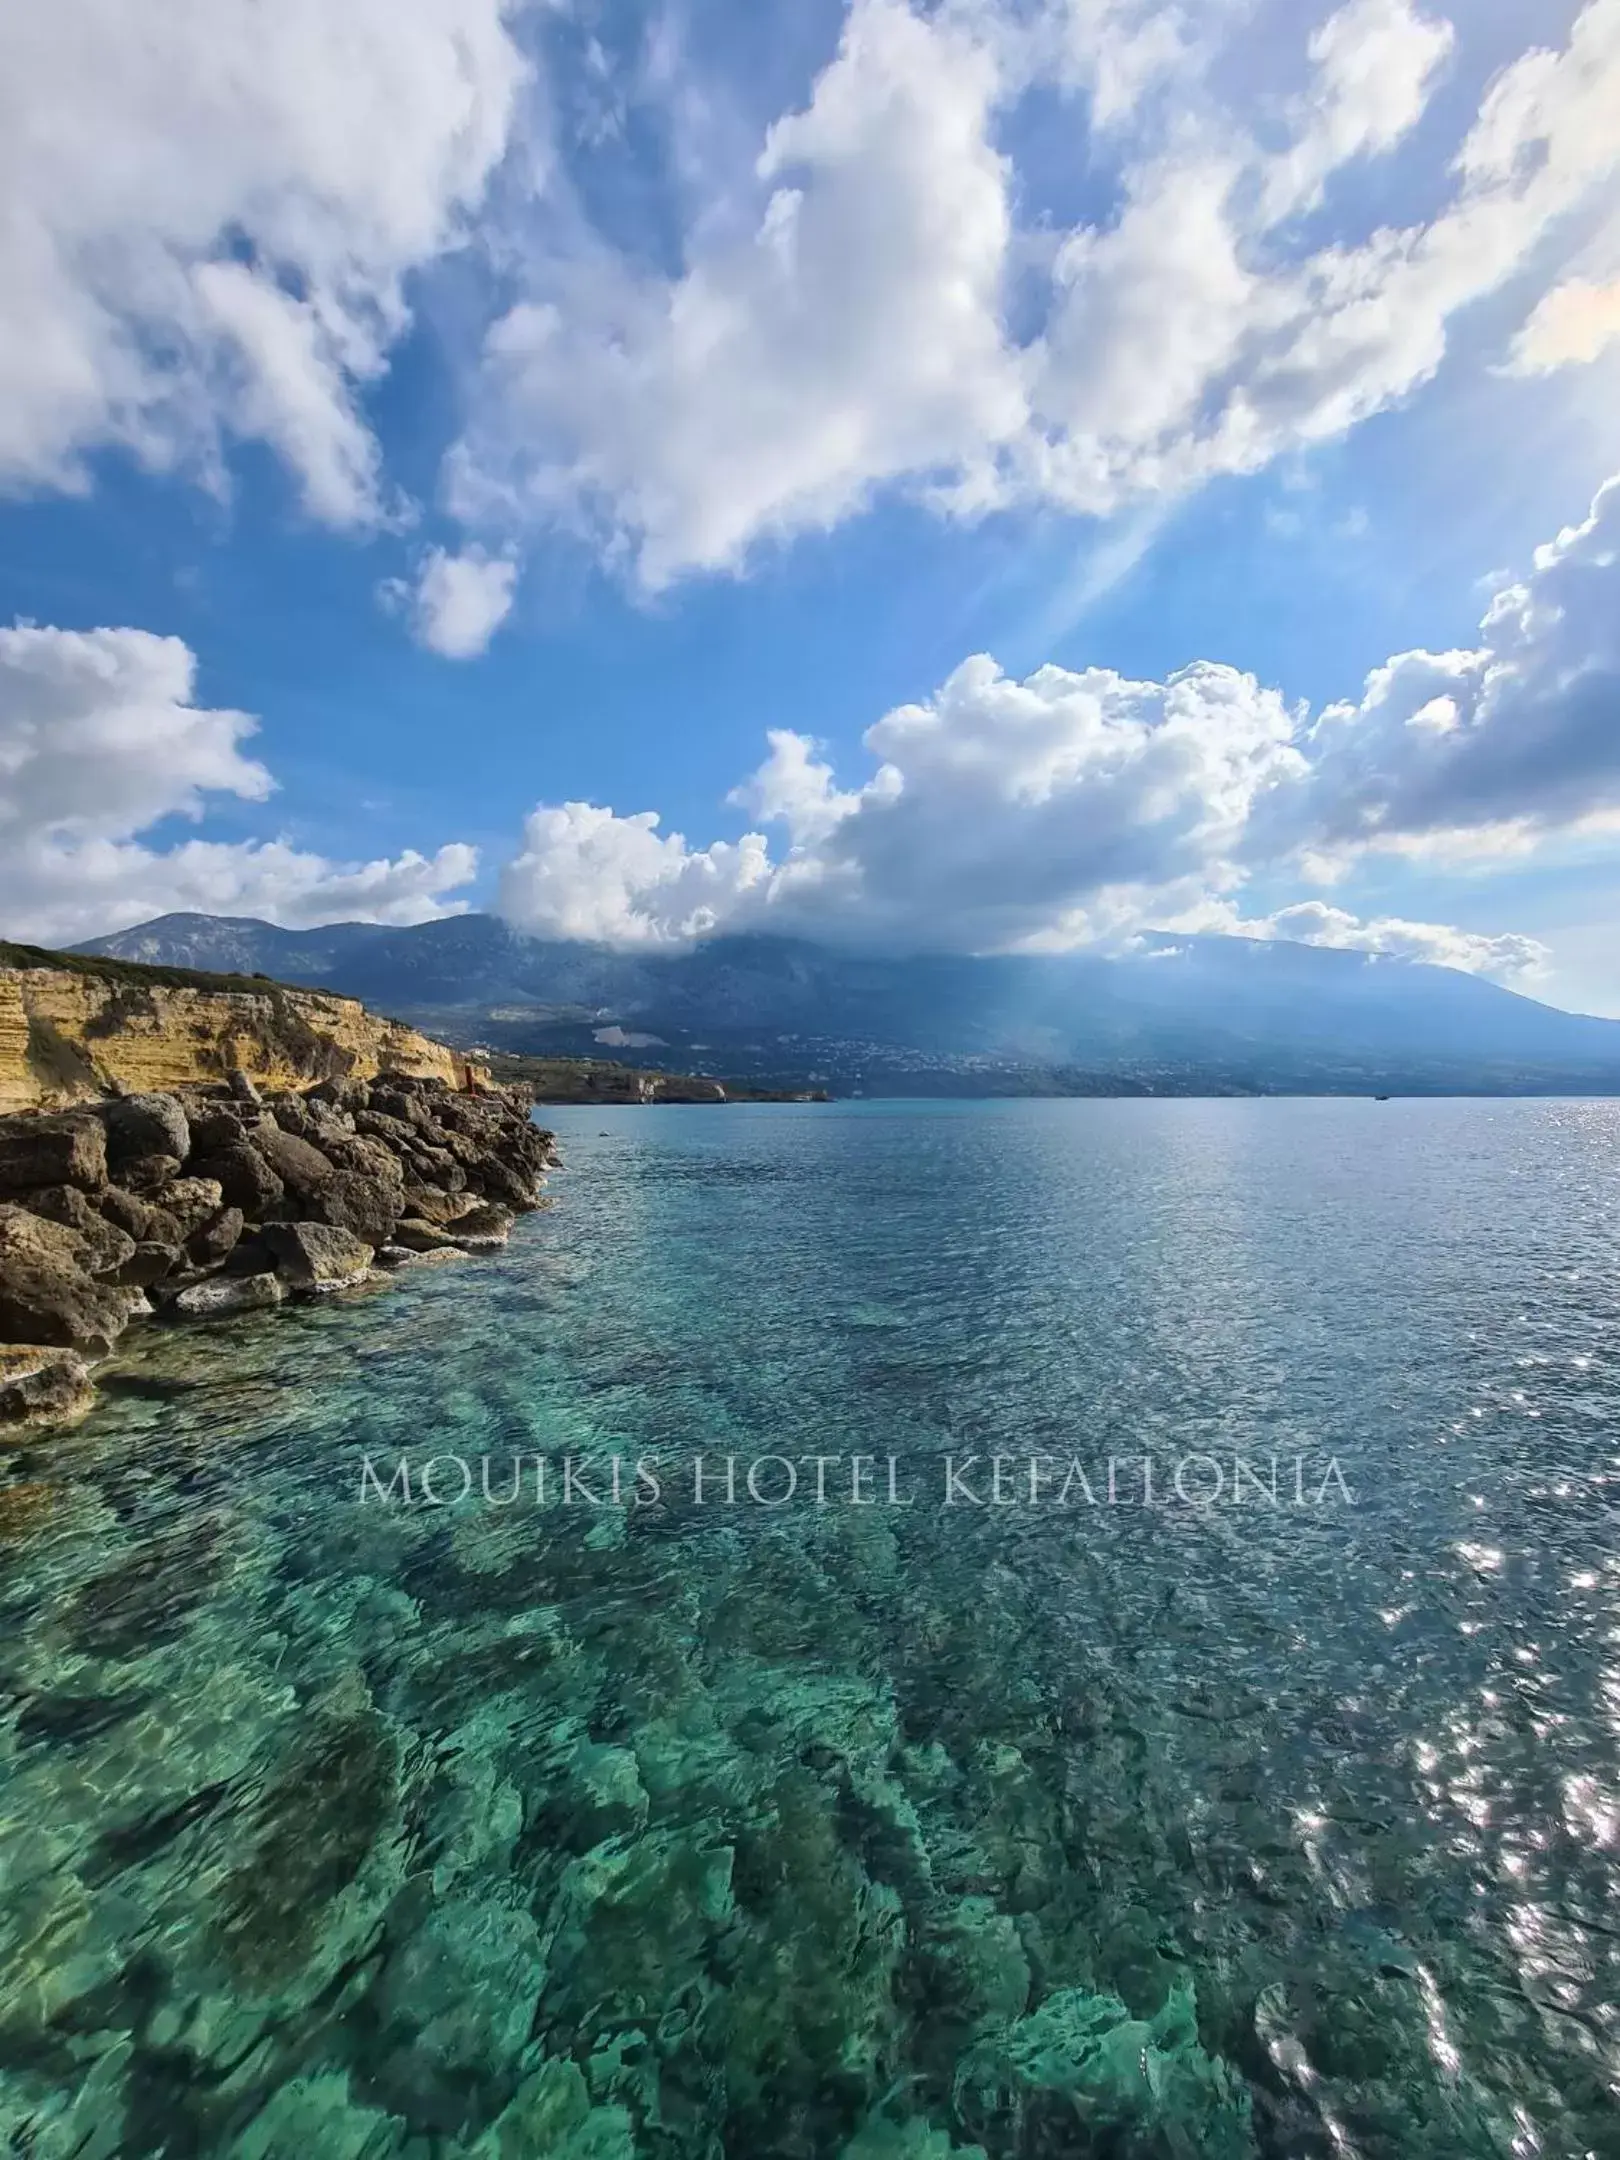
{"x": 332, "y": 1826}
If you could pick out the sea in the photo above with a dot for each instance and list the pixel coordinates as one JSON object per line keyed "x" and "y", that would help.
{"x": 875, "y": 1630}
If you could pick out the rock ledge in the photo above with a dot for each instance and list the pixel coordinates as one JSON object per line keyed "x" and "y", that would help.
{"x": 213, "y": 1201}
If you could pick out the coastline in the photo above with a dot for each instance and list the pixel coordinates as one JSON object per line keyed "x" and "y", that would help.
{"x": 203, "y": 1202}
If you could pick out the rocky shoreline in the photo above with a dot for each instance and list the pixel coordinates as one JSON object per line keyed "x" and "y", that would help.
{"x": 201, "y": 1202}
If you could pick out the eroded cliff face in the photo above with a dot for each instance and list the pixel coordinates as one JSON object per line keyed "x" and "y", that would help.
{"x": 66, "y": 1037}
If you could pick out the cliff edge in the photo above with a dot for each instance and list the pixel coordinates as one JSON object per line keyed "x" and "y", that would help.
{"x": 76, "y": 1027}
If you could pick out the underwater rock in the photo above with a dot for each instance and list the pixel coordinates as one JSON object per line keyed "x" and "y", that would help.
{"x": 913, "y": 2140}
{"x": 315, "y": 2118}
{"x": 318, "y": 1824}
{"x": 460, "y": 1991}
{"x": 1084, "y": 2057}
{"x": 553, "y": 2114}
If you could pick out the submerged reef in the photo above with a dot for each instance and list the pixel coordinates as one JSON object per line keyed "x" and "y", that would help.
{"x": 337, "y": 1829}
{"x": 392, "y": 1833}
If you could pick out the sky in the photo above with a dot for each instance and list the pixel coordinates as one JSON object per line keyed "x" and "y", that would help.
{"x": 930, "y": 474}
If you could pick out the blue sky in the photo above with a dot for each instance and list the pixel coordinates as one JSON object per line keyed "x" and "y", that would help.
{"x": 945, "y": 460}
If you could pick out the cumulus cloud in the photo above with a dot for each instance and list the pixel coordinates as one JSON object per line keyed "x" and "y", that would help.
{"x": 99, "y": 734}
{"x": 847, "y": 335}
{"x": 1079, "y": 807}
{"x": 1510, "y": 740}
{"x": 212, "y": 209}
{"x": 101, "y": 739}
{"x": 870, "y": 310}
{"x": 460, "y": 601}
{"x": 585, "y": 873}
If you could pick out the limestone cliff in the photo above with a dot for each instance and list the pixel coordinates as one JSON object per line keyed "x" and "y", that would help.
{"x": 72, "y": 1028}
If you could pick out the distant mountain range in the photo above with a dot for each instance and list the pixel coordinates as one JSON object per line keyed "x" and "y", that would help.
{"x": 1186, "y": 1015}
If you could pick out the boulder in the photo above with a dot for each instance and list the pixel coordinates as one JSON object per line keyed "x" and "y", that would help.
{"x": 251, "y": 1256}
{"x": 429, "y": 1205}
{"x": 436, "y": 1166}
{"x": 364, "y": 1205}
{"x": 243, "y": 1176}
{"x": 372, "y": 1158}
{"x": 214, "y": 1128}
{"x": 393, "y": 1132}
{"x": 147, "y": 1175}
{"x": 46, "y": 1294}
{"x": 227, "y": 1294}
{"x": 419, "y": 1236}
{"x": 27, "y": 1236}
{"x": 193, "y": 1201}
{"x": 140, "y": 1125}
{"x": 67, "y": 1205}
{"x": 350, "y": 1095}
{"x": 41, "y": 1387}
{"x": 392, "y": 1102}
{"x": 212, "y": 1245}
{"x": 486, "y": 1220}
{"x": 316, "y": 1256}
{"x": 125, "y": 1211}
{"x": 293, "y": 1115}
{"x": 102, "y": 1246}
{"x": 499, "y": 1180}
{"x": 242, "y": 1088}
{"x": 151, "y": 1264}
{"x": 37, "y": 1151}
{"x": 302, "y": 1168}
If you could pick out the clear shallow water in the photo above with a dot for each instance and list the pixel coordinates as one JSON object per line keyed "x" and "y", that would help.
{"x": 365, "y": 1830}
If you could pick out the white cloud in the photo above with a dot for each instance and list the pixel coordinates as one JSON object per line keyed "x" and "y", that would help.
{"x": 1373, "y": 65}
{"x": 461, "y": 601}
{"x": 869, "y": 313}
{"x": 1082, "y": 807}
{"x": 100, "y": 740}
{"x": 585, "y": 873}
{"x": 1510, "y": 740}
{"x": 212, "y": 207}
{"x": 1508, "y": 958}
{"x": 61, "y": 892}
{"x": 999, "y": 812}
{"x": 1572, "y": 326}
{"x": 99, "y": 735}
{"x": 847, "y": 335}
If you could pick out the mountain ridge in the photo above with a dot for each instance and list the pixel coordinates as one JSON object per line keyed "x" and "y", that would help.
{"x": 1184, "y": 1015}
